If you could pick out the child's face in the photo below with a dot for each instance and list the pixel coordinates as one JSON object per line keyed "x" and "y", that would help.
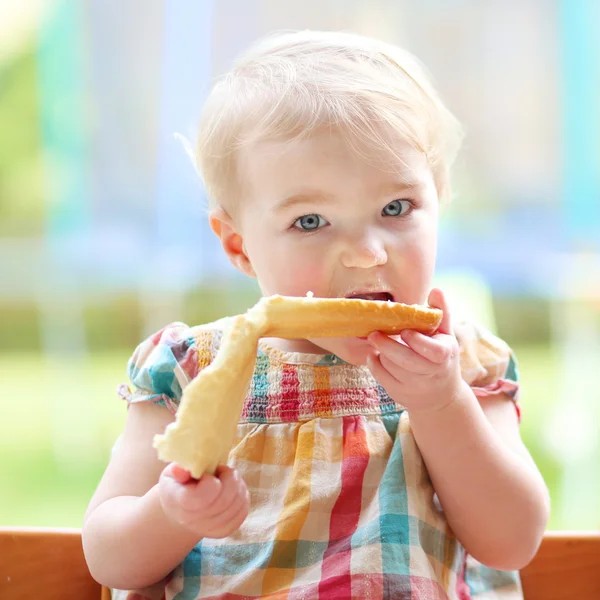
{"x": 317, "y": 217}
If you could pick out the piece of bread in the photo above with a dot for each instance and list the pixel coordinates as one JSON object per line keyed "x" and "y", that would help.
{"x": 200, "y": 438}
{"x": 305, "y": 318}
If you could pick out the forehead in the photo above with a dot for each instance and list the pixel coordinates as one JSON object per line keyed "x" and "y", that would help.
{"x": 328, "y": 158}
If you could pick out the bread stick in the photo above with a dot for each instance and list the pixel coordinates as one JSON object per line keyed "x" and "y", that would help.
{"x": 201, "y": 437}
{"x": 305, "y": 318}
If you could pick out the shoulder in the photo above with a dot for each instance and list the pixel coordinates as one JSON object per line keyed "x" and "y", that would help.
{"x": 484, "y": 358}
{"x": 170, "y": 349}
{"x": 167, "y": 360}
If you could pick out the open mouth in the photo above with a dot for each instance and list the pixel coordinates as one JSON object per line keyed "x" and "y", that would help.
{"x": 381, "y": 296}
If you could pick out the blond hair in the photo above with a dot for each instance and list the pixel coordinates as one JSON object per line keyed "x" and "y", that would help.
{"x": 289, "y": 84}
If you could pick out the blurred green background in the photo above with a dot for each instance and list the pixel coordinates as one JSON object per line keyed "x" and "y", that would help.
{"x": 103, "y": 236}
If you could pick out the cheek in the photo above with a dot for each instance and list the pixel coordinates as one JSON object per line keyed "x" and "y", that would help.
{"x": 290, "y": 273}
{"x": 422, "y": 242}
{"x": 414, "y": 262}
{"x": 417, "y": 246}
{"x": 422, "y": 249}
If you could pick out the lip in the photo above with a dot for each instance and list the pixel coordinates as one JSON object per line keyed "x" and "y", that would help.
{"x": 370, "y": 292}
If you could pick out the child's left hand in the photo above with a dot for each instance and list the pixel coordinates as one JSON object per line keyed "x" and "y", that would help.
{"x": 423, "y": 373}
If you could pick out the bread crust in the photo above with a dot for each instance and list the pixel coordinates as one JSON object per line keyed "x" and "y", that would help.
{"x": 200, "y": 438}
{"x": 305, "y": 318}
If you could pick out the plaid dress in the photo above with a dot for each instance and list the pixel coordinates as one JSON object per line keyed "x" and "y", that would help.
{"x": 341, "y": 502}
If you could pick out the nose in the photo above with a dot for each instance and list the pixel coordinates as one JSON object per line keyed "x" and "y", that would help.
{"x": 364, "y": 251}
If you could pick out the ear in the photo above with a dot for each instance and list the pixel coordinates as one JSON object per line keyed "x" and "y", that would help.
{"x": 233, "y": 244}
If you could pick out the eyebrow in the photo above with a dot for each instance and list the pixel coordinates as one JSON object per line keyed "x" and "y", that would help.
{"x": 401, "y": 187}
{"x": 304, "y": 197}
{"x": 310, "y": 196}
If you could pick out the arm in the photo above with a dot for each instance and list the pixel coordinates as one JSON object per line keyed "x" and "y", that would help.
{"x": 125, "y": 526}
{"x": 493, "y": 495}
{"x": 140, "y": 505}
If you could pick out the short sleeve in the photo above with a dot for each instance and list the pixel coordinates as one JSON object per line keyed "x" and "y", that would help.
{"x": 161, "y": 366}
{"x": 488, "y": 364}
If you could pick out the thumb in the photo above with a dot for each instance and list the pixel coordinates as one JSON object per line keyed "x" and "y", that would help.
{"x": 178, "y": 473}
{"x": 438, "y": 300}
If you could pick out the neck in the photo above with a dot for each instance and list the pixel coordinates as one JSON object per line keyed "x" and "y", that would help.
{"x": 302, "y": 346}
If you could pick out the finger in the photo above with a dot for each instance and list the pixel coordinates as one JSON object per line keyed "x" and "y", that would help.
{"x": 199, "y": 496}
{"x": 180, "y": 474}
{"x": 232, "y": 487}
{"x": 438, "y": 300}
{"x": 381, "y": 374}
{"x": 226, "y": 474}
{"x": 434, "y": 349}
{"x": 192, "y": 495}
{"x": 238, "y": 519}
{"x": 232, "y": 519}
{"x": 400, "y": 354}
{"x": 223, "y": 471}
{"x": 177, "y": 478}
{"x": 212, "y": 494}
{"x": 241, "y": 500}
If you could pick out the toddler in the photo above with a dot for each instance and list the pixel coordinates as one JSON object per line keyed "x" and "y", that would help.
{"x": 389, "y": 467}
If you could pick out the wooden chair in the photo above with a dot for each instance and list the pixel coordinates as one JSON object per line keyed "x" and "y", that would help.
{"x": 49, "y": 563}
{"x": 566, "y": 567}
{"x": 45, "y": 563}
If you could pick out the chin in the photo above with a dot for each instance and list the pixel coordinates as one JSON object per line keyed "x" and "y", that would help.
{"x": 350, "y": 350}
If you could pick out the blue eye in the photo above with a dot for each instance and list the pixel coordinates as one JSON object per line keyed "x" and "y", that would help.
{"x": 397, "y": 208}
{"x": 310, "y": 222}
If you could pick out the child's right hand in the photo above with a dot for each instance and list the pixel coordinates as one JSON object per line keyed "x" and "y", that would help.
{"x": 212, "y": 506}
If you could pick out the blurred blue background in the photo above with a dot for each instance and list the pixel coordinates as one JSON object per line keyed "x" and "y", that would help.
{"x": 104, "y": 239}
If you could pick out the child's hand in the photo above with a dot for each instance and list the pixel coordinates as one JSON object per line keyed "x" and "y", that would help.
{"x": 212, "y": 506}
{"x": 425, "y": 373}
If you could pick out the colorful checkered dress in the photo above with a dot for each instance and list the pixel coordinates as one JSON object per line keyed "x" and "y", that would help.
{"x": 341, "y": 503}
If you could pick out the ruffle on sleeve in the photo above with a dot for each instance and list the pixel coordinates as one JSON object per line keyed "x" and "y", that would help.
{"x": 488, "y": 364}
{"x": 161, "y": 366}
